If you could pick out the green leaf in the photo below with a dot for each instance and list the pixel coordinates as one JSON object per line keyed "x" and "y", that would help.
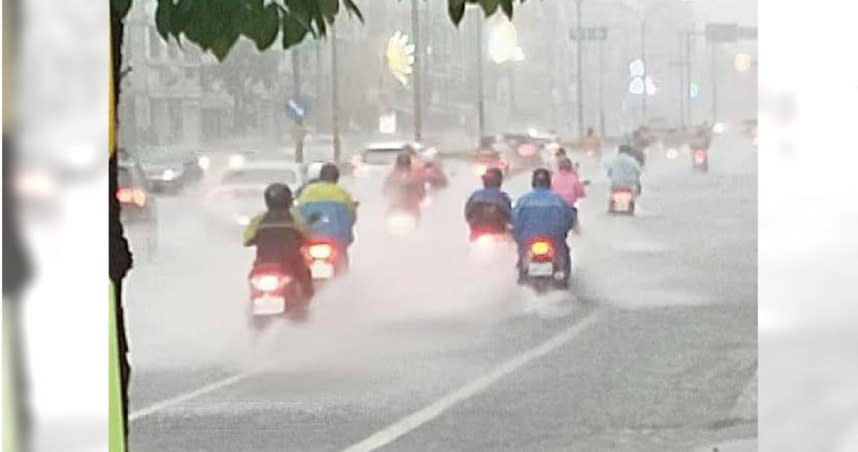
{"x": 506, "y": 6}
{"x": 456, "y": 10}
{"x": 352, "y": 8}
{"x": 163, "y": 18}
{"x": 489, "y": 6}
{"x": 181, "y": 16}
{"x": 120, "y": 8}
{"x": 222, "y": 44}
{"x": 293, "y": 31}
{"x": 330, "y": 8}
{"x": 269, "y": 26}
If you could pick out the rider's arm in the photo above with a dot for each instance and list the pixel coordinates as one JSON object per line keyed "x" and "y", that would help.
{"x": 249, "y": 234}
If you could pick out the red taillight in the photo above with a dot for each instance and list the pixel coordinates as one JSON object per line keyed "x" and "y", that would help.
{"x": 542, "y": 248}
{"x": 700, "y": 156}
{"x": 128, "y": 196}
{"x": 320, "y": 251}
{"x": 266, "y": 282}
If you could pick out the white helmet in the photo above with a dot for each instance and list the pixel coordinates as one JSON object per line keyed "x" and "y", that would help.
{"x": 314, "y": 170}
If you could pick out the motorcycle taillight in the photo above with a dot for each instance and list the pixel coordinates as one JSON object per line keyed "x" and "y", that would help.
{"x": 542, "y": 249}
{"x": 700, "y": 155}
{"x": 266, "y": 282}
{"x": 321, "y": 251}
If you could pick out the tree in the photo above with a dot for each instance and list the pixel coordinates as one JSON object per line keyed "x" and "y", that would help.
{"x": 215, "y": 26}
{"x": 240, "y": 75}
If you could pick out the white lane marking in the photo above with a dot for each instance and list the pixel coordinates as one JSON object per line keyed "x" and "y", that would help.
{"x": 414, "y": 420}
{"x": 211, "y": 387}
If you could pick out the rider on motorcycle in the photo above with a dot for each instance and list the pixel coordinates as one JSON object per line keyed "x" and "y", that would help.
{"x": 329, "y": 209}
{"x": 405, "y": 184}
{"x": 543, "y": 213}
{"x": 489, "y": 209}
{"x": 624, "y": 170}
{"x": 278, "y": 236}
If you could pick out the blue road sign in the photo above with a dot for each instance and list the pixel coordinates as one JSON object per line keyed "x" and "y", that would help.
{"x": 297, "y": 108}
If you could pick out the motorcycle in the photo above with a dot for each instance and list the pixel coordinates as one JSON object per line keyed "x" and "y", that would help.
{"x": 700, "y": 160}
{"x": 274, "y": 293}
{"x": 325, "y": 258}
{"x": 402, "y": 220}
{"x": 622, "y": 201}
{"x": 542, "y": 268}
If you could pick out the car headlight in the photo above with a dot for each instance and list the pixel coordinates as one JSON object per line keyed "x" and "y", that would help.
{"x": 236, "y": 161}
{"x": 203, "y": 162}
{"x": 168, "y": 174}
{"x": 719, "y": 128}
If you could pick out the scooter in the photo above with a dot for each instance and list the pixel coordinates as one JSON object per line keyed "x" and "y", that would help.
{"x": 622, "y": 201}
{"x": 274, "y": 294}
{"x": 325, "y": 258}
{"x": 541, "y": 267}
{"x": 700, "y": 160}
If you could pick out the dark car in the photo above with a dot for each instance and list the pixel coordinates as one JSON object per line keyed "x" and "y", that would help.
{"x": 168, "y": 170}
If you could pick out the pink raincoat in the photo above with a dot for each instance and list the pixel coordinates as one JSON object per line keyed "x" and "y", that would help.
{"x": 568, "y": 186}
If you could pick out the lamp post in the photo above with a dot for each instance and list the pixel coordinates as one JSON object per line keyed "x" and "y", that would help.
{"x": 418, "y": 57}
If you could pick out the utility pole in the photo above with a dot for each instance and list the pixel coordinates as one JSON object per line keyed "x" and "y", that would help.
{"x": 602, "y": 88}
{"x": 319, "y": 79}
{"x": 296, "y": 94}
{"x": 418, "y": 59}
{"x": 644, "y": 94}
{"x": 580, "y": 82}
{"x": 335, "y": 100}
{"x": 682, "y": 83}
{"x": 481, "y": 98}
{"x": 714, "y": 69}
{"x": 689, "y": 76}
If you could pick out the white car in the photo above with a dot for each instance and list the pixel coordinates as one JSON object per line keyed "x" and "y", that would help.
{"x": 240, "y": 194}
{"x": 377, "y": 158}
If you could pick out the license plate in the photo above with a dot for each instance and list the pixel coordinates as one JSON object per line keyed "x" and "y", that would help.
{"x": 268, "y": 305}
{"x": 540, "y": 269}
{"x": 322, "y": 270}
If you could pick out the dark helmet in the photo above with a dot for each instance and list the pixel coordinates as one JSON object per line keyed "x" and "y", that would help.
{"x": 403, "y": 159}
{"x": 493, "y": 177}
{"x": 560, "y": 152}
{"x": 564, "y": 164}
{"x": 541, "y": 178}
{"x": 626, "y": 149}
{"x": 278, "y": 196}
{"x": 329, "y": 173}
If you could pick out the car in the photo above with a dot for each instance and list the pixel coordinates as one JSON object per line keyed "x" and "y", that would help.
{"x": 379, "y": 156}
{"x": 486, "y": 158}
{"x": 168, "y": 170}
{"x": 138, "y": 209}
{"x": 240, "y": 193}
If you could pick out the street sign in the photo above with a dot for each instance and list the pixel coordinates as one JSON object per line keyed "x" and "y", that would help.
{"x": 297, "y": 108}
{"x": 589, "y": 33}
{"x": 721, "y": 32}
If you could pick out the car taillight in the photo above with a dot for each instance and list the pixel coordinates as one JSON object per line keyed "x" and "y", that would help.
{"x": 128, "y": 196}
{"x": 267, "y": 282}
{"x": 542, "y": 248}
{"x": 321, "y": 251}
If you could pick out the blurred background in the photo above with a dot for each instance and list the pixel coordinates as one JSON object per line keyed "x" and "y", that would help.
{"x": 55, "y": 69}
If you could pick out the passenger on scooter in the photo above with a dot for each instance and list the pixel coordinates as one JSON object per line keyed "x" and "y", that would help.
{"x": 329, "y": 209}
{"x": 405, "y": 185}
{"x": 543, "y": 213}
{"x": 489, "y": 209}
{"x": 624, "y": 170}
{"x": 566, "y": 183}
{"x": 279, "y": 236}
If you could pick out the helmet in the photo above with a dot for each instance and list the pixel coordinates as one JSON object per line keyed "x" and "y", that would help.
{"x": 564, "y": 164}
{"x": 403, "y": 159}
{"x": 278, "y": 197}
{"x": 541, "y": 178}
{"x": 625, "y": 149}
{"x": 314, "y": 170}
{"x": 329, "y": 173}
{"x": 493, "y": 177}
{"x": 560, "y": 152}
